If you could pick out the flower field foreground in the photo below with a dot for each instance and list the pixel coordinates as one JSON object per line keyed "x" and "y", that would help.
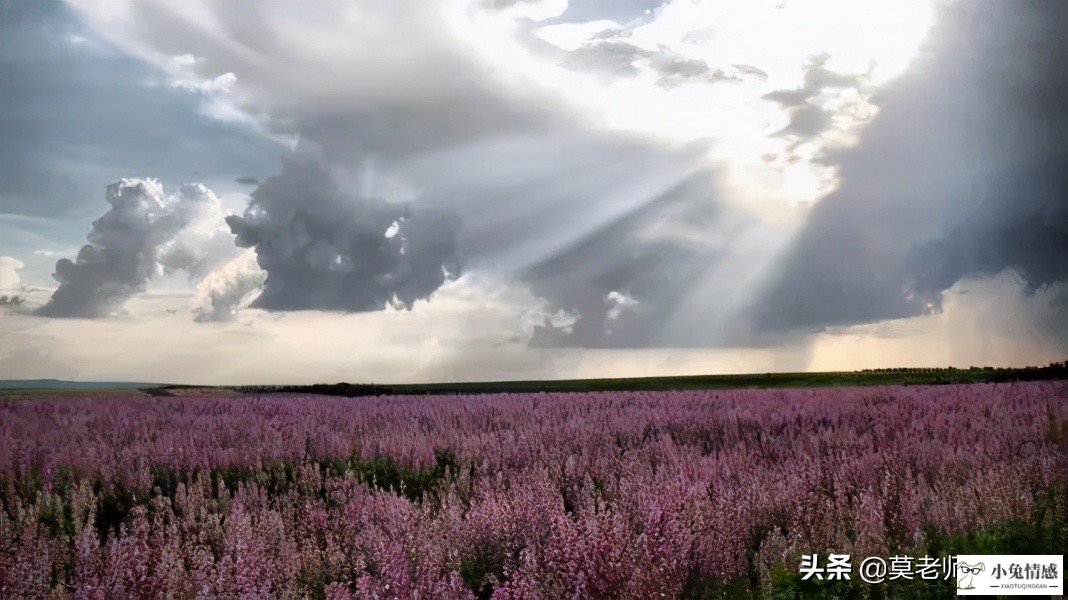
{"x": 695, "y": 494}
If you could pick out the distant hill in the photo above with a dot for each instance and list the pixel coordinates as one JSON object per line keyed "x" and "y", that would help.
{"x": 894, "y": 376}
{"x": 59, "y": 384}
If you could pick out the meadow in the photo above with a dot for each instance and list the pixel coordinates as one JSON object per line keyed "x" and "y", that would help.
{"x": 637, "y": 494}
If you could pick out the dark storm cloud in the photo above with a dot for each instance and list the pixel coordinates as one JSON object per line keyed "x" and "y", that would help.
{"x": 1022, "y": 225}
{"x": 325, "y": 248}
{"x": 359, "y": 112}
{"x": 962, "y": 174}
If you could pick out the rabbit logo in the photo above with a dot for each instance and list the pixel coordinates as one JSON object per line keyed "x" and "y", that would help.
{"x": 965, "y": 574}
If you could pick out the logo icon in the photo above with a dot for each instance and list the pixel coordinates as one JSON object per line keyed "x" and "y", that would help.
{"x": 1010, "y": 574}
{"x": 966, "y": 574}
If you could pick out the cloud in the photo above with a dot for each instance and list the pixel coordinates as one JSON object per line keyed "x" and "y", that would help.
{"x": 428, "y": 138}
{"x": 476, "y": 328}
{"x": 475, "y": 132}
{"x": 483, "y": 329}
{"x": 984, "y": 321}
{"x": 618, "y": 303}
{"x": 961, "y": 174}
{"x": 9, "y": 273}
{"x": 460, "y": 74}
{"x": 811, "y": 113}
{"x": 144, "y": 234}
{"x": 609, "y": 53}
{"x": 1021, "y": 222}
{"x": 204, "y": 240}
{"x": 324, "y": 248}
{"x": 610, "y": 57}
{"x": 228, "y": 289}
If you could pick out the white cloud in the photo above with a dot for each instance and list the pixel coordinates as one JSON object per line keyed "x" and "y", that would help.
{"x": 9, "y": 273}
{"x": 228, "y": 289}
{"x": 618, "y": 302}
{"x": 204, "y": 240}
{"x": 143, "y": 235}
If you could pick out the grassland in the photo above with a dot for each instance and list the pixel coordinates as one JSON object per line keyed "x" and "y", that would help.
{"x": 868, "y": 377}
{"x": 871, "y": 377}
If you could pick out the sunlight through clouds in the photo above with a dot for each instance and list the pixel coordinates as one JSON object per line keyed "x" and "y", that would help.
{"x": 730, "y": 60}
{"x": 671, "y": 185}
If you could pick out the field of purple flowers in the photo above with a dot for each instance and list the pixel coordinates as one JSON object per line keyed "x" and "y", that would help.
{"x": 692, "y": 494}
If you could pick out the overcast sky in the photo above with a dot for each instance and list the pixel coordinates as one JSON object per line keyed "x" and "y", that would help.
{"x": 225, "y": 192}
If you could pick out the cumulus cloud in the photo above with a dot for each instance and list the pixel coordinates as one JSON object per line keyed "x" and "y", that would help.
{"x": 228, "y": 289}
{"x": 9, "y": 273}
{"x": 146, "y": 233}
{"x": 204, "y": 240}
{"x": 325, "y": 248}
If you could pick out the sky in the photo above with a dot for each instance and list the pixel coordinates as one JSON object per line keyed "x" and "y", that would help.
{"x": 218, "y": 192}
